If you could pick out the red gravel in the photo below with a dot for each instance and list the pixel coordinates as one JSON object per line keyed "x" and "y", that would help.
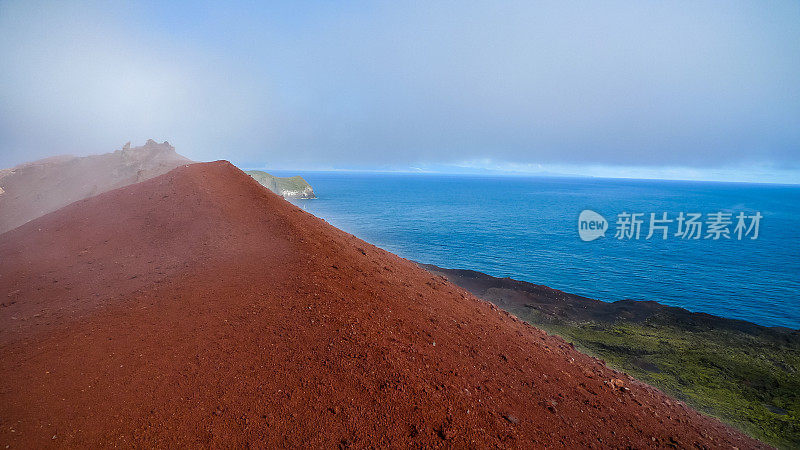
{"x": 198, "y": 308}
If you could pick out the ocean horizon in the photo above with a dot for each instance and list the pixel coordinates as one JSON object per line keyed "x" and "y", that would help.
{"x": 526, "y": 228}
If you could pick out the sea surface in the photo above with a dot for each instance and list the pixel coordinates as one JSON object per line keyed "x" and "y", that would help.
{"x": 527, "y": 228}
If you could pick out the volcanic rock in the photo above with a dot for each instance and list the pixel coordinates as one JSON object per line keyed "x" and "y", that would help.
{"x": 33, "y": 189}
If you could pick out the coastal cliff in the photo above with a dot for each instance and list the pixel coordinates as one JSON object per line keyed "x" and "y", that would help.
{"x": 288, "y": 187}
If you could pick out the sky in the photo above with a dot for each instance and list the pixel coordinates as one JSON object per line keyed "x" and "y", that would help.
{"x": 646, "y": 89}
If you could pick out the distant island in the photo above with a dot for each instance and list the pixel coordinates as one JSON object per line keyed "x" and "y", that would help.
{"x": 288, "y": 187}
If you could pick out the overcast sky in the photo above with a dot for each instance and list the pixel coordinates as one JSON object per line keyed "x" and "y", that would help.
{"x": 670, "y": 89}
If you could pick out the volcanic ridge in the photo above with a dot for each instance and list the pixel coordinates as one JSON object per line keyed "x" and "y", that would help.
{"x": 199, "y": 308}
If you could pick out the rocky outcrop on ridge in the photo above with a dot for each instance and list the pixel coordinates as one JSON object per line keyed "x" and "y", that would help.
{"x": 36, "y": 188}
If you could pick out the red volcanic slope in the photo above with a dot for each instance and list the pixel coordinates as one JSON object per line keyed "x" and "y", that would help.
{"x": 199, "y": 308}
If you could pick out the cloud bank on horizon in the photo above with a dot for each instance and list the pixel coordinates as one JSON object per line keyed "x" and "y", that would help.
{"x": 701, "y": 89}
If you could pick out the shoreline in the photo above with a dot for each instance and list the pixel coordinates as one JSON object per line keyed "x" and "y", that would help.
{"x": 606, "y": 309}
{"x": 742, "y": 373}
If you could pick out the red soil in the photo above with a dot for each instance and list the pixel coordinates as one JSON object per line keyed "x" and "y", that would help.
{"x": 199, "y": 308}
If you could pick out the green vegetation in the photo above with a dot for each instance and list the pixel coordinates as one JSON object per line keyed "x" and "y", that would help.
{"x": 748, "y": 380}
{"x": 294, "y": 187}
{"x": 746, "y": 375}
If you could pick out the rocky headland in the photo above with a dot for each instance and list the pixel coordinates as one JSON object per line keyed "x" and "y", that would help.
{"x": 287, "y": 187}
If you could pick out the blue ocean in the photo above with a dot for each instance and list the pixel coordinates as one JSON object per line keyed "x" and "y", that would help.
{"x": 527, "y": 229}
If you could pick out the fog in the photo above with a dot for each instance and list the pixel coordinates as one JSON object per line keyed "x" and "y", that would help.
{"x": 688, "y": 89}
